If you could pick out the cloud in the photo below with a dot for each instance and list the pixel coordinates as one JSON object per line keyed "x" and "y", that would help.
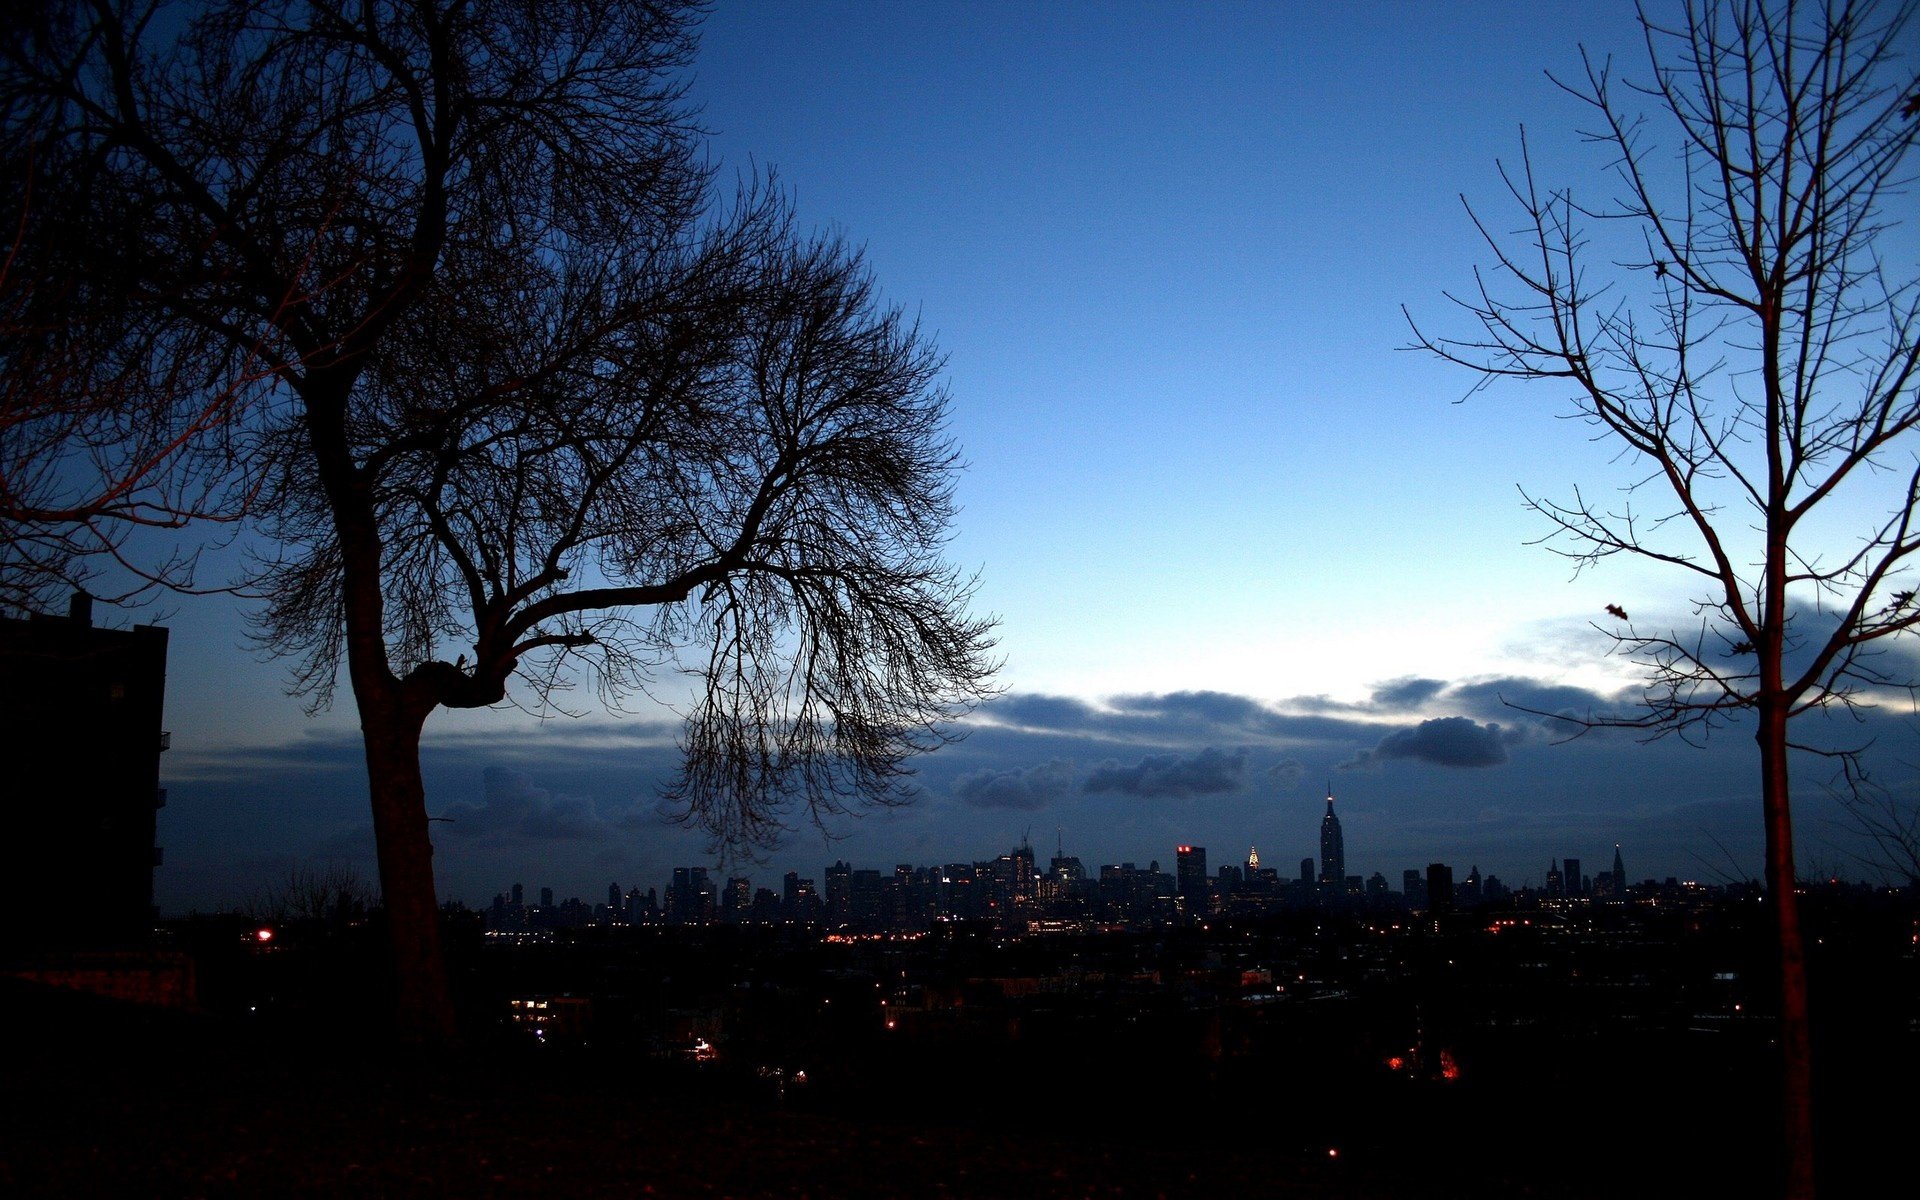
{"x": 1039, "y": 711}
{"x": 513, "y": 806}
{"x": 1443, "y": 741}
{"x": 1210, "y": 772}
{"x": 1214, "y": 709}
{"x": 1287, "y": 775}
{"x": 1406, "y": 693}
{"x": 1031, "y": 788}
{"x": 1512, "y": 694}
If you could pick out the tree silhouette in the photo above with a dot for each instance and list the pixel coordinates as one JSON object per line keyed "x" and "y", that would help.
{"x": 1746, "y": 344}
{"x": 103, "y": 430}
{"x": 540, "y": 396}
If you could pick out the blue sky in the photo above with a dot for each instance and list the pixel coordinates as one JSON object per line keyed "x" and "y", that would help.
{"x": 1223, "y": 517}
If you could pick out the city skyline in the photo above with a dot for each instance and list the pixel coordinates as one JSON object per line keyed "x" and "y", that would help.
{"x": 1554, "y": 880}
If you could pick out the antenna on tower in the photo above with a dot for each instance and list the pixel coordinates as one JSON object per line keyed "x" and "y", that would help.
{"x": 1059, "y": 842}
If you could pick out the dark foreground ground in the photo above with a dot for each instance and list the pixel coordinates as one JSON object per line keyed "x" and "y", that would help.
{"x": 106, "y": 1100}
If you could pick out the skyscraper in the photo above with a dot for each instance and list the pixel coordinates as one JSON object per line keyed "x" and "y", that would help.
{"x": 1619, "y": 874}
{"x": 1439, "y": 888}
{"x": 1333, "y": 851}
{"x": 1190, "y": 875}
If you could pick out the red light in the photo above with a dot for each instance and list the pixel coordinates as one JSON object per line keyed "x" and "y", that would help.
{"x": 263, "y": 935}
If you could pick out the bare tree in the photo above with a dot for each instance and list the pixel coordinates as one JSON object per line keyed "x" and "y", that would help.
{"x": 1891, "y": 823}
{"x": 332, "y": 892}
{"x": 543, "y": 408}
{"x": 1753, "y": 352}
{"x": 103, "y": 432}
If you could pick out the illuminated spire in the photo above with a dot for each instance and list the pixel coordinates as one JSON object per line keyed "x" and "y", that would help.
{"x": 1253, "y": 858}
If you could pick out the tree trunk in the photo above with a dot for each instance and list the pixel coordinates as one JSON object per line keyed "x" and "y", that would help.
{"x": 423, "y": 1002}
{"x": 1796, "y": 1043}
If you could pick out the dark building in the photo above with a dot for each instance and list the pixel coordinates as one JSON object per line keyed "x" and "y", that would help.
{"x": 81, "y": 711}
{"x": 1439, "y": 888}
{"x": 736, "y": 899}
{"x": 1414, "y": 887}
{"x": 1333, "y": 853}
{"x": 1190, "y": 875}
{"x": 690, "y": 898}
{"x": 799, "y": 900}
{"x": 839, "y": 894}
{"x": 866, "y": 907}
{"x": 1570, "y": 871}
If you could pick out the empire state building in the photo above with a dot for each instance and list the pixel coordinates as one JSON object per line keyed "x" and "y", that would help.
{"x": 1333, "y": 850}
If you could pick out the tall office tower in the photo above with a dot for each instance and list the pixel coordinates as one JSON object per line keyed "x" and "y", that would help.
{"x": 839, "y": 893}
{"x": 1439, "y": 888}
{"x": 1556, "y": 882}
{"x": 1570, "y": 877}
{"x": 519, "y": 896}
{"x": 1253, "y": 862}
{"x": 800, "y": 901}
{"x": 546, "y": 897}
{"x": 1333, "y": 849}
{"x": 1413, "y": 886}
{"x": 690, "y": 899}
{"x": 1190, "y": 876}
{"x": 1619, "y": 875}
{"x": 1025, "y": 881}
{"x": 736, "y": 899}
{"x": 866, "y": 909}
{"x": 613, "y": 900}
{"x": 1306, "y": 872}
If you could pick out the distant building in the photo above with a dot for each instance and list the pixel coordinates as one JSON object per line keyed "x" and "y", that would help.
{"x": 839, "y": 893}
{"x": 1190, "y": 876}
{"x": 865, "y": 911}
{"x": 80, "y": 710}
{"x": 690, "y": 898}
{"x": 1333, "y": 854}
{"x": 1413, "y": 886}
{"x": 799, "y": 900}
{"x": 1439, "y": 888}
